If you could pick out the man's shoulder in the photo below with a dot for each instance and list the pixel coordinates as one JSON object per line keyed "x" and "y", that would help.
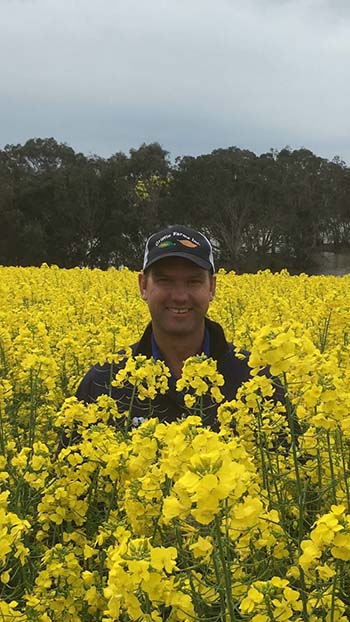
{"x": 232, "y": 363}
{"x": 220, "y": 348}
{"x": 97, "y": 380}
{"x": 235, "y": 359}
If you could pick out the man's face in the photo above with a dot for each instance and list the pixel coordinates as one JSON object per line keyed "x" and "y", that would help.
{"x": 178, "y": 294}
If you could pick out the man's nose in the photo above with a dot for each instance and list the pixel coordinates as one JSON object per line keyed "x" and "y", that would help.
{"x": 180, "y": 292}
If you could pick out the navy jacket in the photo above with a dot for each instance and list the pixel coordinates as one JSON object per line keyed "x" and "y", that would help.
{"x": 170, "y": 406}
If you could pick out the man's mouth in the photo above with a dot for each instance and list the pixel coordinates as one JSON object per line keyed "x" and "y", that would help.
{"x": 178, "y": 311}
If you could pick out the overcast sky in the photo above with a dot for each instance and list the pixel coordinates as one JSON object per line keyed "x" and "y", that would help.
{"x": 194, "y": 75}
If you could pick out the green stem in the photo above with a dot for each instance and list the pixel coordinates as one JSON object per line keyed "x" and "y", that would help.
{"x": 324, "y": 335}
{"x": 345, "y": 470}
{"x": 219, "y": 586}
{"x": 300, "y": 494}
{"x": 2, "y": 434}
{"x": 34, "y": 395}
{"x": 225, "y": 567}
{"x": 334, "y": 586}
{"x": 269, "y": 608}
{"x": 331, "y": 467}
{"x": 319, "y": 467}
{"x": 266, "y": 483}
{"x": 127, "y": 425}
{"x": 112, "y": 497}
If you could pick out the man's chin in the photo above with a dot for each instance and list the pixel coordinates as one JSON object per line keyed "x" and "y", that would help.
{"x": 180, "y": 330}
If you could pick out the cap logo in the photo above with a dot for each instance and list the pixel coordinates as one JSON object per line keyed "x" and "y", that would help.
{"x": 168, "y": 240}
{"x": 188, "y": 243}
{"x": 166, "y": 244}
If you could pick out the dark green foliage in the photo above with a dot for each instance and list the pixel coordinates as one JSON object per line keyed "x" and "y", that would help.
{"x": 273, "y": 210}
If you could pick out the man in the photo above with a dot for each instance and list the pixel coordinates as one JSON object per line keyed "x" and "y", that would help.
{"x": 178, "y": 283}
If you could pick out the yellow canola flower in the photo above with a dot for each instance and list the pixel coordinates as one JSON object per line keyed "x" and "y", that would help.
{"x": 311, "y": 554}
{"x": 202, "y": 548}
{"x": 200, "y": 376}
{"x": 6, "y": 392}
{"x": 331, "y": 533}
{"x": 136, "y": 569}
{"x": 164, "y": 558}
{"x": 273, "y": 599}
{"x": 10, "y": 613}
{"x": 213, "y": 477}
{"x": 12, "y": 529}
{"x": 281, "y": 348}
{"x": 341, "y": 546}
{"x": 327, "y": 605}
{"x": 148, "y": 376}
{"x": 246, "y": 513}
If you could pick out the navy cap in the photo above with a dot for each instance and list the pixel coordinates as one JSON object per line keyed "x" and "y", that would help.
{"x": 179, "y": 241}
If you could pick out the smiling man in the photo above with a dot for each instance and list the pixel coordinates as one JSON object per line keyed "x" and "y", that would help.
{"x": 177, "y": 283}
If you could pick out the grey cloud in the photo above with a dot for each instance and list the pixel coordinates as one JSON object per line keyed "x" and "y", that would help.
{"x": 192, "y": 75}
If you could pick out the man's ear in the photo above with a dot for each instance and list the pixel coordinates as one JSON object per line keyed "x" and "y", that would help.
{"x": 142, "y": 285}
{"x": 213, "y": 286}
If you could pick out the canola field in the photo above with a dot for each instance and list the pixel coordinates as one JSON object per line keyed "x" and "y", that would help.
{"x": 173, "y": 522}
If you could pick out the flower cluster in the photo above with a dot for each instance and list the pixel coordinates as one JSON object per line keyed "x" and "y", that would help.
{"x": 148, "y": 376}
{"x": 200, "y": 377}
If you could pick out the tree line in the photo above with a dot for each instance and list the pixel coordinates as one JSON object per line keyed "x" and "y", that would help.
{"x": 273, "y": 210}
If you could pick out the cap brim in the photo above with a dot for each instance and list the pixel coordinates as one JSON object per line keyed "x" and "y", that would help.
{"x": 206, "y": 265}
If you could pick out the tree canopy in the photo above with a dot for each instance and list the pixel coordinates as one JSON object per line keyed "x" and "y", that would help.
{"x": 62, "y": 207}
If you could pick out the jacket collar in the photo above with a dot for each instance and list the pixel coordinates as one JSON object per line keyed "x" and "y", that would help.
{"x": 218, "y": 343}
